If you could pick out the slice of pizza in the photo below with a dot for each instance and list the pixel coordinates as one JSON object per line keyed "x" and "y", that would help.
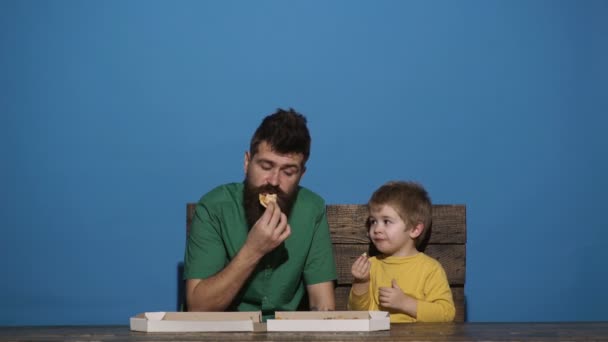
{"x": 265, "y": 199}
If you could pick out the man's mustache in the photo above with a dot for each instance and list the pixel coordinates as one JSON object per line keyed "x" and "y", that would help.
{"x": 269, "y": 189}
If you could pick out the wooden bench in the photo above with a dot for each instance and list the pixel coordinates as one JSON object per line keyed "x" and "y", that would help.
{"x": 447, "y": 244}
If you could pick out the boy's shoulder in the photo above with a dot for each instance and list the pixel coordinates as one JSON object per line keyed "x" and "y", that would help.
{"x": 425, "y": 258}
{"x": 431, "y": 264}
{"x": 420, "y": 258}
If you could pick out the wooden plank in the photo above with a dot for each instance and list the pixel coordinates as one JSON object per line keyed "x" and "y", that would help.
{"x": 190, "y": 208}
{"x": 449, "y": 224}
{"x": 457, "y": 294}
{"x": 453, "y": 260}
{"x": 451, "y": 257}
{"x": 347, "y": 223}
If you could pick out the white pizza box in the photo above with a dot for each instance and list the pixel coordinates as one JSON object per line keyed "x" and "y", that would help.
{"x": 198, "y": 321}
{"x": 329, "y": 321}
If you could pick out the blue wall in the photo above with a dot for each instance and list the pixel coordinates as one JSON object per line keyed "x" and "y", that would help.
{"x": 114, "y": 114}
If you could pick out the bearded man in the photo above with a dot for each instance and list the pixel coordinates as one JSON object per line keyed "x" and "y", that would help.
{"x": 243, "y": 256}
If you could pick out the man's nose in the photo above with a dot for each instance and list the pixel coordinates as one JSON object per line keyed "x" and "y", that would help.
{"x": 273, "y": 178}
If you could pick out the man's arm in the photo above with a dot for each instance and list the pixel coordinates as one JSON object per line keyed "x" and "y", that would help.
{"x": 218, "y": 291}
{"x": 321, "y": 296}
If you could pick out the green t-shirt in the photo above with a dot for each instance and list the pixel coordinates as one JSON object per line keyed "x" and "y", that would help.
{"x": 219, "y": 230}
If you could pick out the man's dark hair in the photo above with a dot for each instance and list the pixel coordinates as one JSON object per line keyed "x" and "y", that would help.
{"x": 285, "y": 131}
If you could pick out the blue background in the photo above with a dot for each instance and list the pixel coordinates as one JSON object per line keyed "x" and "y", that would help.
{"x": 114, "y": 114}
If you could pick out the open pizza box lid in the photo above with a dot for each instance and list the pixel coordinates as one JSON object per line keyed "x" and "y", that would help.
{"x": 329, "y": 321}
{"x": 197, "y": 321}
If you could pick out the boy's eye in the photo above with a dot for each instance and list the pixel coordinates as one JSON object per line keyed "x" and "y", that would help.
{"x": 372, "y": 221}
{"x": 387, "y": 221}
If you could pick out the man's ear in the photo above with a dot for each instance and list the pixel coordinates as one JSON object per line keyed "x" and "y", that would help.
{"x": 416, "y": 230}
{"x": 246, "y": 161}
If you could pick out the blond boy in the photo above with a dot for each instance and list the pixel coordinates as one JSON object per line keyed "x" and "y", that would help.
{"x": 409, "y": 284}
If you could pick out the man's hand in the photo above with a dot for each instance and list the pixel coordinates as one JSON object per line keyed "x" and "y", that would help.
{"x": 394, "y": 298}
{"x": 270, "y": 230}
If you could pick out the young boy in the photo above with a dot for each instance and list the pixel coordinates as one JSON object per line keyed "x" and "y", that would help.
{"x": 409, "y": 284}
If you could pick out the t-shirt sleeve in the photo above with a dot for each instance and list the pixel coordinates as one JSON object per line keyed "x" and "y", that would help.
{"x": 320, "y": 265}
{"x": 439, "y": 304}
{"x": 205, "y": 253}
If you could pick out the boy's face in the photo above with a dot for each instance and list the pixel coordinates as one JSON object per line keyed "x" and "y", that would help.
{"x": 389, "y": 233}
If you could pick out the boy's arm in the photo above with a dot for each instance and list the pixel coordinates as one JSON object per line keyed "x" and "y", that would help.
{"x": 359, "y": 298}
{"x": 395, "y": 299}
{"x": 439, "y": 305}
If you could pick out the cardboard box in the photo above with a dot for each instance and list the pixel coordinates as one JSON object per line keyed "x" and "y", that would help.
{"x": 329, "y": 321}
{"x": 198, "y": 321}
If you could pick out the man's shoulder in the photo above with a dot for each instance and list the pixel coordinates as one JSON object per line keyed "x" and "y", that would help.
{"x": 309, "y": 202}
{"x": 310, "y": 198}
{"x": 223, "y": 193}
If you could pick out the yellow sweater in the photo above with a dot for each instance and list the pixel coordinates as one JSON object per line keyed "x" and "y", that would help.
{"x": 418, "y": 276}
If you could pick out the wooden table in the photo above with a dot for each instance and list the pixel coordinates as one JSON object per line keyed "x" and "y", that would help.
{"x": 575, "y": 331}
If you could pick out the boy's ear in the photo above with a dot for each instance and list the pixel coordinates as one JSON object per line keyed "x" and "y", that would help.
{"x": 416, "y": 230}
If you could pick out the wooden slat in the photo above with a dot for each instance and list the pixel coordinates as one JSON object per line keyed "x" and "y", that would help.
{"x": 449, "y": 224}
{"x": 457, "y": 294}
{"x": 453, "y": 260}
{"x": 347, "y": 223}
{"x": 460, "y": 304}
{"x": 451, "y": 257}
{"x": 190, "y": 208}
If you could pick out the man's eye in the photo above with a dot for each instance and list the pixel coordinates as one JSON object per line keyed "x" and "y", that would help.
{"x": 289, "y": 173}
{"x": 266, "y": 166}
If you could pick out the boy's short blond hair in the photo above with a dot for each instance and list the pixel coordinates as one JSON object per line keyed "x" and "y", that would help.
{"x": 410, "y": 200}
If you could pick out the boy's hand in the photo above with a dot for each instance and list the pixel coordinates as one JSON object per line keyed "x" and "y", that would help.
{"x": 360, "y": 269}
{"x": 394, "y": 298}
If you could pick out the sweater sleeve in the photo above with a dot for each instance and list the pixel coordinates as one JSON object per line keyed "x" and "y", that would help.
{"x": 356, "y": 302}
{"x": 438, "y": 305}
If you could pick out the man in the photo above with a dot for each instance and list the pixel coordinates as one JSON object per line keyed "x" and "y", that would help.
{"x": 243, "y": 256}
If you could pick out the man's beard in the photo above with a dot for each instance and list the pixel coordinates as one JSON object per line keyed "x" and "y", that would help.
{"x": 251, "y": 200}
